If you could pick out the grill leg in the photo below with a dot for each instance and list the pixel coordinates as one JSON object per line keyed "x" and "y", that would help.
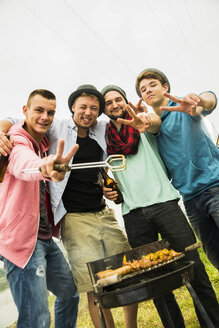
{"x": 103, "y": 322}
{"x": 197, "y": 302}
{"x": 168, "y": 318}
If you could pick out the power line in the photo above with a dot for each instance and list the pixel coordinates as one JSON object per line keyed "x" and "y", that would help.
{"x": 198, "y": 40}
{"x": 168, "y": 39}
{"x": 184, "y": 35}
{"x": 93, "y": 63}
{"x": 100, "y": 39}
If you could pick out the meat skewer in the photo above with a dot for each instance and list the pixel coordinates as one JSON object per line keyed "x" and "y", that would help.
{"x": 147, "y": 261}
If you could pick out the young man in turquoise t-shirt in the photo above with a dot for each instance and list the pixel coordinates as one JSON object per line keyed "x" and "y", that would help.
{"x": 191, "y": 157}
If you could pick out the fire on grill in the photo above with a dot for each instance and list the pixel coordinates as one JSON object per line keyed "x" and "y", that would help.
{"x": 157, "y": 276}
{"x": 150, "y": 271}
{"x": 147, "y": 261}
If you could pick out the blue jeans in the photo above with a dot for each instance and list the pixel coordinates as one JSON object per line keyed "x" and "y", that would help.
{"x": 142, "y": 227}
{"x": 47, "y": 269}
{"x": 203, "y": 214}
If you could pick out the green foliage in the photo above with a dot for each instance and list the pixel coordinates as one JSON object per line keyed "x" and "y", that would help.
{"x": 2, "y": 273}
{"x": 3, "y": 280}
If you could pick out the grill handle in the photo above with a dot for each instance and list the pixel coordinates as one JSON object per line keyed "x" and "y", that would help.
{"x": 193, "y": 247}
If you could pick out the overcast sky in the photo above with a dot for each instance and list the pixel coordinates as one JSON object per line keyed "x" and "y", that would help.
{"x": 60, "y": 44}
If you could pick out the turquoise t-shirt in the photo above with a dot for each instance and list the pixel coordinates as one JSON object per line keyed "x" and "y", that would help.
{"x": 191, "y": 157}
{"x": 145, "y": 181}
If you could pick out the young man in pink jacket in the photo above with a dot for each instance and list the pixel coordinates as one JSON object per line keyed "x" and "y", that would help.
{"x": 33, "y": 262}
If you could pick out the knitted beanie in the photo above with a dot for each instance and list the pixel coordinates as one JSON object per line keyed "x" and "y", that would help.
{"x": 112, "y": 87}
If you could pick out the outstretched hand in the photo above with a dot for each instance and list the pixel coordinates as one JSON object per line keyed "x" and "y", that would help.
{"x": 140, "y": 118}
{"x": 139, "y": 108}
{"x": 188, "y": 104}
{"x": 48, "y": 162}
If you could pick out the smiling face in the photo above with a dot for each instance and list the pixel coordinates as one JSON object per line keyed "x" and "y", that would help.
{"x": 115, "y": 105}
{"x": 39, "y": 114}
{"x": 86, "y": 110}
{"x": 152, "y": 92}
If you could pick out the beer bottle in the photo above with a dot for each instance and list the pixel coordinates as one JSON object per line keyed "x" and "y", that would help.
{"x": 110, "y": 183}
{"x": 3, "y": 164}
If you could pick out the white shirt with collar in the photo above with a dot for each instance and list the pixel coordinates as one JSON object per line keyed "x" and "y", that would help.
{"x": 67, "y": 130}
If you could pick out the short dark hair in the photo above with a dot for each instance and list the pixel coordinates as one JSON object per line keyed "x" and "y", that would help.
{"x": 42, "y": 92}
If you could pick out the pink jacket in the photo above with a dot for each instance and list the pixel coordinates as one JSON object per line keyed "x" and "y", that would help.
{"x": 19, "y": 198}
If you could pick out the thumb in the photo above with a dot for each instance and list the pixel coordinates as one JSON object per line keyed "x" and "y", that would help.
{"x": 102, "y": 183}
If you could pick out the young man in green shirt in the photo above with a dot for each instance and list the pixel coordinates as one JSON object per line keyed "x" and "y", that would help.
{"x": 150, "y": 204}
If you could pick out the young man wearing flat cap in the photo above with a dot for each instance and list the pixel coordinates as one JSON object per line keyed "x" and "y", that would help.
{"x": 150, "y": 202}
{"x": 191, "y": 157}
{"x": 89, "y": 229}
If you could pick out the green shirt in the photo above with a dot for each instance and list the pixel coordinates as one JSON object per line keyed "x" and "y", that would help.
{"x": 144, "y": 182}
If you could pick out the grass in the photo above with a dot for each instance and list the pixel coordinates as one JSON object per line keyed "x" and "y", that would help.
{"x": 3, "y": 284}
{"x": 3, "y": 281}
{"x": 147, "y": 313}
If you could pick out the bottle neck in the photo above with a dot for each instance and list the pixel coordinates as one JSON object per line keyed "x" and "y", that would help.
{"x": 103, "y": 174}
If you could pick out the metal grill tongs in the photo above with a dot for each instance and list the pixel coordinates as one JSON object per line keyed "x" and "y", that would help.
{"x": 107, "y": 163}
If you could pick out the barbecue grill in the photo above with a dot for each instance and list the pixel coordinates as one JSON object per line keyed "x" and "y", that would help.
{"x": 144, "y": 284}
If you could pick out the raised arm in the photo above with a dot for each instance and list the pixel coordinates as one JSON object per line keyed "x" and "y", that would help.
{"x": 5, "y": 125}
{"x": 48, "y": 162}
{"x": 192, "y": 104}
{"x": 208, "y": 100}
{"x": 23, "y": 157}
{"x": 142, "y": 120}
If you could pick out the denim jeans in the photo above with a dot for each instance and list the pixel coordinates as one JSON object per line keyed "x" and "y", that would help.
{"x": 203, "y": 214}
{"x": 142, "y": 227}
{"x": 47, "y": 269}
